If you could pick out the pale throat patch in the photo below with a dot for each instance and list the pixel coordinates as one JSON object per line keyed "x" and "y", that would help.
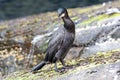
{"x": 62, "y": 15}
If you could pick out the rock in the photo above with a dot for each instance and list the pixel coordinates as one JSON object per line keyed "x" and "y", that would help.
{"x": 99, "y": 38}
{"x": 103, "y": 72}
{"x": 112, "y": 11}
{"x": 74, "y": 53}
{"x": 8, "y": 64}
{"x": 93, "y": 39}
{"x": 115, "y": 33}
{"x": 99, "y": 67}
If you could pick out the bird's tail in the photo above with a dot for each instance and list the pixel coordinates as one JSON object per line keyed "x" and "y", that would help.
{"x": 39, "y": 66}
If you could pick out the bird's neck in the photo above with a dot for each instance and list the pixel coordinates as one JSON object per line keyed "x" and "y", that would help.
{"x": 69, "y": 24}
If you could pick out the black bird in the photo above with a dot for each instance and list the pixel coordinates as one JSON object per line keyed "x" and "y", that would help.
{"x": 60, "y": 42}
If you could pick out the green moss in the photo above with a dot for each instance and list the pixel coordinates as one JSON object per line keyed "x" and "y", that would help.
{"x": 90, "y": 20}
{"x": 3, "y": 27}
{"x": 114, "y": 15}
{"x": 88, "y": 9}
{"x": 98, "y": 18}
{"x": 48, "y": 72}
{"x": 85, "y": 63}
{"x": 75, "y": 18}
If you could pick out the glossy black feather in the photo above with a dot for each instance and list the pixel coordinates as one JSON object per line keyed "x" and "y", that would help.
{"x": 60, "y": 42}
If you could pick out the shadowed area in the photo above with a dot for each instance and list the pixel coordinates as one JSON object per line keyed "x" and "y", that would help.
{"x": 10, "y": 9}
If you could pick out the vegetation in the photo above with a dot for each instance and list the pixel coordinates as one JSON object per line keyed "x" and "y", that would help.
{"x": 17, "y": 8}
{"x": 78, "y": 64}
{"x": 25, "y": 28}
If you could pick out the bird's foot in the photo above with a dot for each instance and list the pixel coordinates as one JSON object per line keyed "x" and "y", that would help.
{"x": 66, "y": 67}
{"x": 63, "y": 69}
{"x": 60, "y": 70}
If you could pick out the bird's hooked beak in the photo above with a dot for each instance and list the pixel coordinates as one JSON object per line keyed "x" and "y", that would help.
{"x": 61, "y": 15}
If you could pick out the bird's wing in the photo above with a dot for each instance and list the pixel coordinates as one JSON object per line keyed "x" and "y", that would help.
{"x": 55, "y": 43}
{"x": 56, "y": 40}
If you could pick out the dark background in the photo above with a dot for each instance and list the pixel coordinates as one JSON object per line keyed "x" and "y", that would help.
{"x": 10, "y": 9}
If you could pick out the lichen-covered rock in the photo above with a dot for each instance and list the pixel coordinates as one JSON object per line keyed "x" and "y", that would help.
{"x": 99, "y": 67}
{"x": 93, "y": 38}
{"x": 103, "y": 72}
{"x": 96, "y": 31}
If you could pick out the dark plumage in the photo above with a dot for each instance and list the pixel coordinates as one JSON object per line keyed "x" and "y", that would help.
{"x": 60, "y": 42}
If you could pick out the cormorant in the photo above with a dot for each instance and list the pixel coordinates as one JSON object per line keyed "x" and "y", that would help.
{"x": 60, "y": 42}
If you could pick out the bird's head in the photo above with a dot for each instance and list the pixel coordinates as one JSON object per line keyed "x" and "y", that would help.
{"x": 62, "y": 12}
